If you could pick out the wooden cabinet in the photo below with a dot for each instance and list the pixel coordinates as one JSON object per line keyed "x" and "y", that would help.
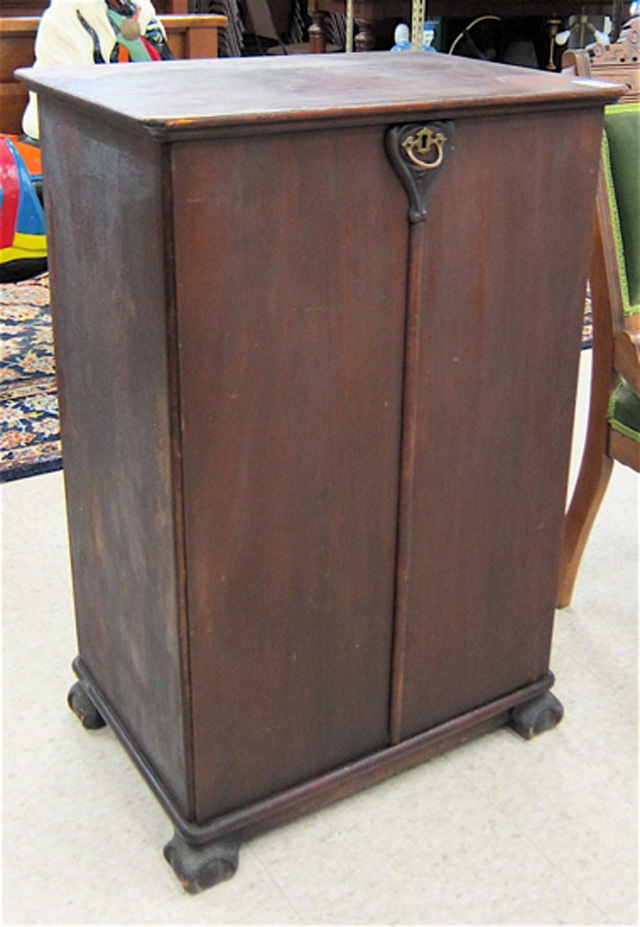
{"x": 317, "y": 328}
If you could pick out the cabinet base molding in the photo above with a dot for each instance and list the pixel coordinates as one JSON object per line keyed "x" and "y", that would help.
{"x": 205, "y": 854}
{"x": 202, "y": 866}
{"x": 537, "y": 716}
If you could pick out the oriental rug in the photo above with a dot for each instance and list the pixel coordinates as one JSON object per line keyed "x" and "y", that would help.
{"x": 30, "y": 438}
{"x": 30, "y": 434}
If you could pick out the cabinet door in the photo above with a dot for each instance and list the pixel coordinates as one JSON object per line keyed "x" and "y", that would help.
{"x": 499, "y": 329}
{"x": 291, "y": 258}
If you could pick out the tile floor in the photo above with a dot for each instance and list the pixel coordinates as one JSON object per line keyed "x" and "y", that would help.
{"x": 500, "y": 831}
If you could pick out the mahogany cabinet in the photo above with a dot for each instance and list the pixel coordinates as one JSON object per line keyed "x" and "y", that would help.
{"x": 317, "y": 327}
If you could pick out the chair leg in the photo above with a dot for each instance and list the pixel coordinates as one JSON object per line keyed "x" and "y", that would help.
{"x": 593, "y": 479}
{"x": 595, "y": 469}
{"x": 596, "y": 465}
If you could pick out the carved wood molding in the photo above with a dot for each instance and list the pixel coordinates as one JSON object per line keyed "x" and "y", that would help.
{"x": 619, "y": 61}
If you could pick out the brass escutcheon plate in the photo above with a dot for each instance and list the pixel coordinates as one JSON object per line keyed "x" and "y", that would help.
{"x": 425, "y": 148}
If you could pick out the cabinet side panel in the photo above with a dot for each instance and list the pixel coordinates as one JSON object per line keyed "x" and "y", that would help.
{"x": 104, "y": 212}
{"x": 291, "y": 252}
{"x": 500, "y": 336}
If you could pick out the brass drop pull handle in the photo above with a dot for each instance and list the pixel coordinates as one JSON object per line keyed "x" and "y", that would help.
{"x": 420, "y": 148}
{"x": 416, "y": 150}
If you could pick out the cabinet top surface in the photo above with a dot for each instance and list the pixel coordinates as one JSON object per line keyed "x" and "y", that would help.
{"x": 171, "y": 97}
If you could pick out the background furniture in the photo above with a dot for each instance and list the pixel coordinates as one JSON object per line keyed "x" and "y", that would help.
{"x": 192, "y": 36}
{"x": 188, "y": 36}
{"x": 316, "y": 428}
{"x": 17, "y": 38}
{"x": 369, "y": 13}
{"x": 37, "y": 7}
{"x": 288, "y": 16}
{"x": 613, "y": 431}
{"x": 269, "y": 38}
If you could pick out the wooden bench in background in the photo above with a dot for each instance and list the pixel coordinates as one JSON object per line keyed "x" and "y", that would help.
{"x": 190, "y": 36}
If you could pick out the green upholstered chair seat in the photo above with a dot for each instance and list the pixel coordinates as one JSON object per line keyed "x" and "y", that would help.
{"x": 624, "y": 411}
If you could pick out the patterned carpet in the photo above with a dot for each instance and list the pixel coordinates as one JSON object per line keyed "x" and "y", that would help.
{"x": 587, "y": 322}
{"x": 30, "y": 439}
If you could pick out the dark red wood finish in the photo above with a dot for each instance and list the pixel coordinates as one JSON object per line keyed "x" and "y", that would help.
{"x": 242, "y": 385}
{"x": 291, "y": 388}
{"x": 114, "y": 365}
{"x": 182, "y": 101}
{"x": 498, "y": 352}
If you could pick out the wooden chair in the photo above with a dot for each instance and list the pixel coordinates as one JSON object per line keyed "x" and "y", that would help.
{"x": 613, "y": 430}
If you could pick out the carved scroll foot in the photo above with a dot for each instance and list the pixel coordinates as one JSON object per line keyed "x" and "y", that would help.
{"x": 202, "y": 867}
{"x": 83, "y": 708}
{"x": 539, "y": 715}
